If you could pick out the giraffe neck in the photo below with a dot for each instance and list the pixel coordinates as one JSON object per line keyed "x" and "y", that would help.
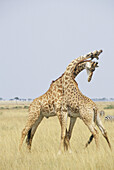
{"x": 71, "y": 72}
{"x": 80, "y": 68}
{"x": 72, "y": 67}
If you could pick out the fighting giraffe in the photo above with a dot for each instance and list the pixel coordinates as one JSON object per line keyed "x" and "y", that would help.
{"x": 49, "y": 104}
{"x": 75, "y": 104}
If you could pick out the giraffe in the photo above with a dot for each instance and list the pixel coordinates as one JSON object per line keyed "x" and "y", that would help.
{"x": 76, "y": 105}
{"x": 49, "y": 104}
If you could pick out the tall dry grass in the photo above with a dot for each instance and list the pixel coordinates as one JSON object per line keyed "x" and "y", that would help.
{"x": 46, "y": 144}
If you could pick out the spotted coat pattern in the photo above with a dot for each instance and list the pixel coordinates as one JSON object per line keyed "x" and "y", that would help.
{"x": 79, "y": 106}
{"x": 48, "y": 105}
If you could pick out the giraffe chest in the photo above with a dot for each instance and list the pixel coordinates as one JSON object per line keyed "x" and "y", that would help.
{"x": 48, "y": 114}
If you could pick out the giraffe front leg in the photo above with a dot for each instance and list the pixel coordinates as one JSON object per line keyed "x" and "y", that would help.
{"x": 69, "y": 133}
{"x": 63, "y": 122}
{"x": 67, "y": 142}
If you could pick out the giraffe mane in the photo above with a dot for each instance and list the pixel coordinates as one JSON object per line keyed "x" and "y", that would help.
{"x": 56, "y": 79}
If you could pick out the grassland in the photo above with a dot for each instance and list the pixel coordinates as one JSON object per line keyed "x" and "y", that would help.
{"x": 46, "y": 143}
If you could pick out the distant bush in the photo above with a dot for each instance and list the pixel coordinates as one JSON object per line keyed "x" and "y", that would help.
{"x": 109, "y": 107}
{"x": 16, "y": 98}
{"x": 17, "y": 107}
{"x": 1, "y": 108}
{"x": 26, "y": 107}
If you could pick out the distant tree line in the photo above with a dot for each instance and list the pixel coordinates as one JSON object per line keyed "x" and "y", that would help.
{"x": 30, "y": 99}
{"x": 103, "y": 99}
{"x": 18, "y": 99}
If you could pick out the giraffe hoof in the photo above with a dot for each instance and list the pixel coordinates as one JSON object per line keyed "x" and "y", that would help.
{"x": 59, "y": 152}
{"x": 70, "y": 151}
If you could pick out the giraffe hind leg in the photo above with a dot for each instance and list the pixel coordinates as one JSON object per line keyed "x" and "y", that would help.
{"x": 24, "y": 133}
{"x": 94, "y": 119}
{"x": 103, "y": 131}
{"x": 94, "y": 135}
{"x": 32, "y": 131}
{"x": 90, "y": 140}
{"x": 30, "y": 122}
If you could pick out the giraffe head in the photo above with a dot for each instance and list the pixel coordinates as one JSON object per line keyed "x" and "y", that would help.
{"x": 90, "y": 68}
{"x": 89, "y": 65}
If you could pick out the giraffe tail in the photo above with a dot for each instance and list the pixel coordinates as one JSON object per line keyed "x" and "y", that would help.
{"x": 95, "y": 115}
{"x": 28, "y": 137}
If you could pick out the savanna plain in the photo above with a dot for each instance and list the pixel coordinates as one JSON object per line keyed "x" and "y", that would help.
{"x": 46, "y": 142}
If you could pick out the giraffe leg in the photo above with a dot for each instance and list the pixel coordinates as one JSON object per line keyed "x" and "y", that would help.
{"x": 30, "y": 122}
{"x": 32, "y": 131}
{"x": 63, "y": 122}
{"x": 90, "y": 140}
{"x": 69, "y": 132}
{"x": 94, "y": 132}
{"x": 103, "y": 131}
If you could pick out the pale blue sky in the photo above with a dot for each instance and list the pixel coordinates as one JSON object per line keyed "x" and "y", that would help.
{"x": 39, "y": 38}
